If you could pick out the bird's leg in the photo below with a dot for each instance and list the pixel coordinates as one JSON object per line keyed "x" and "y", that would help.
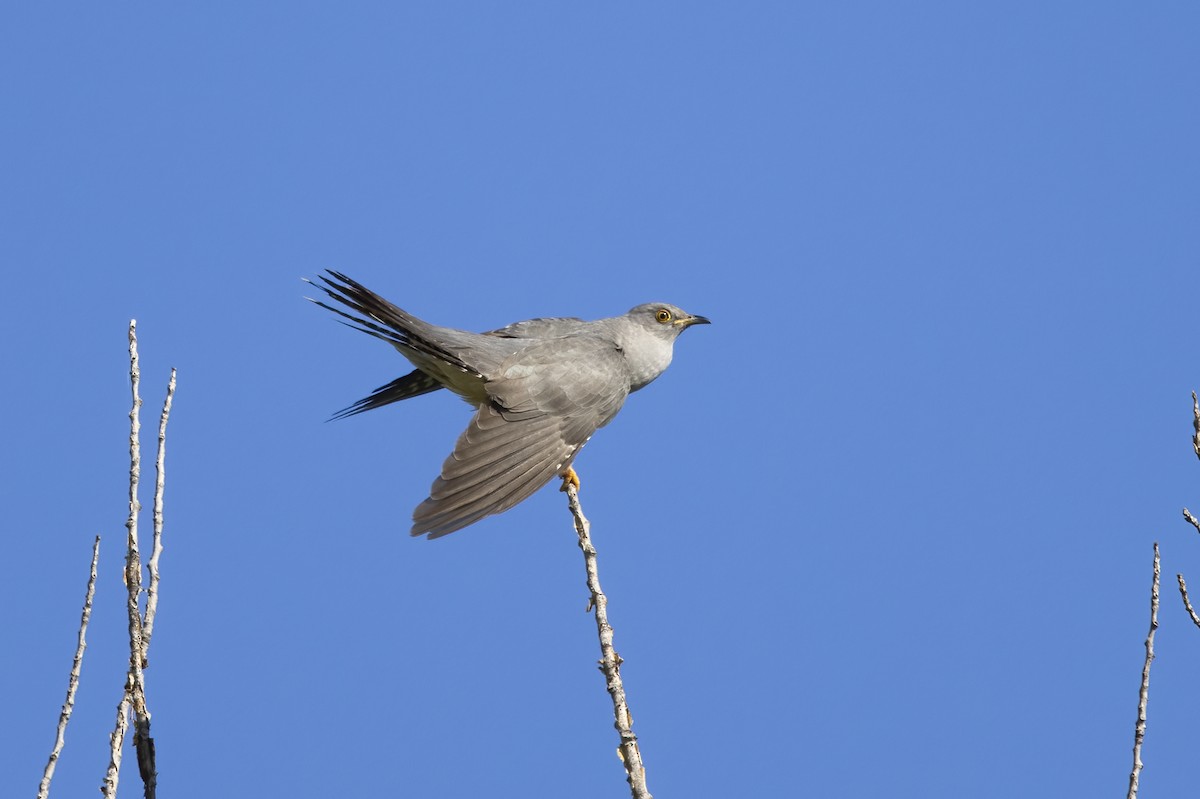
{"x": 569, "y": 478}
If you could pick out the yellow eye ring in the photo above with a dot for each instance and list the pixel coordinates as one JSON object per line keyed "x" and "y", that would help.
{"x": 663, "y": 316}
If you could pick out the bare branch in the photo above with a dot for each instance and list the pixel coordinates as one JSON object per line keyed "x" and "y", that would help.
{"x": 159, "y": 465}
{"x": 1192, "y": 520}
{"x": 134, "y": 695}
{"x": 1186, "y": 603}
{"x": 610, "y": 663}
{"x": 73, "y": 681}
{"x": 1139, "y": 734}
{"x": 116, "y": 746}
{"x": 142, "y": 742}
{"x": 1196, "y": 424}
{"x": 133, "y": 558}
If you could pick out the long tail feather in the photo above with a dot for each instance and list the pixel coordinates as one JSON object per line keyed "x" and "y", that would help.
{"x": 413, "y": 384}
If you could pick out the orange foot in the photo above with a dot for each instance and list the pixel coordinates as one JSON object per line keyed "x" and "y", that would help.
{"x": 569, "y": 478}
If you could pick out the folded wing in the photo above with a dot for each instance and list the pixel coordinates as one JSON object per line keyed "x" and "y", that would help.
{"x": 546, "y": 402}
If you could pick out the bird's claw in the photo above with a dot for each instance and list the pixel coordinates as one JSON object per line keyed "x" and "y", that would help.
{"x": 569, "y": 478}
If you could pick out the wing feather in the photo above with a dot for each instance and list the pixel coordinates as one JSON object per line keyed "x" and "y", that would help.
{"x": 481, "y": 477}
{"x": 546, "y": 402}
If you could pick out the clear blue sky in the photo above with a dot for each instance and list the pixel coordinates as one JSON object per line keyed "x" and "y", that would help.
{"x": 883, "y": 529}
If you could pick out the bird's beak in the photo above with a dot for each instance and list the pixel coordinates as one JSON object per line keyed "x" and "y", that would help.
{"x": 693, "y": 320}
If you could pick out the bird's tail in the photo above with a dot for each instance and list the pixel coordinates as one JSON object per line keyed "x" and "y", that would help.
{"x": 413, "y": 384}
{"x": 384, "y": 320}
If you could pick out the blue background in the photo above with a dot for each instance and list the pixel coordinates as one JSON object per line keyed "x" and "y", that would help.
{"x": 884, "y": 528}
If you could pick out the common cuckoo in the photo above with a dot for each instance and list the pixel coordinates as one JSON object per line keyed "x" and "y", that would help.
{"x": 540, "y": 388}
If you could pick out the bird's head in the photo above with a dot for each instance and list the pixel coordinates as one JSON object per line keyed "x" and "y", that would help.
{"x": 664, "y": 320}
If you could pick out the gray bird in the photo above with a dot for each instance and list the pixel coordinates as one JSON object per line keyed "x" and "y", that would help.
{"x": 541, "y": 388}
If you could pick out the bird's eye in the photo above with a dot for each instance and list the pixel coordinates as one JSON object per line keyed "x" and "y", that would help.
{"x": 663, "y": 315}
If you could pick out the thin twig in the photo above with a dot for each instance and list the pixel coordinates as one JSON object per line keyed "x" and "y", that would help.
{"x": 1139, "y": 734}
{"x": 1187, "y": 514}
{"x": 1192, "y": 520}
{"x": 1196, "y": 424}
{"x": 1186, "y": 603}
{"x": 116, "y": 746}
{"x": 156, "y": 551}
{"x": 610, "y": 663}
{"x": 73, "y": 681}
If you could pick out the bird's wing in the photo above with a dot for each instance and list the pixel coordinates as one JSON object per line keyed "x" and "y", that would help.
{"x": 546, "y": 402}
{"x": 542, "y": 327}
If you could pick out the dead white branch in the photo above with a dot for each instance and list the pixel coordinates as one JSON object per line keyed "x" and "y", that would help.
{"x": 610, "y": 661}
{"x": 73, "y": 680}
{"x": 140, "y": 626}
{"x": 1187, "y": 604}
{"x": 156, "y": 551}
{"x": 1139, "y": 733}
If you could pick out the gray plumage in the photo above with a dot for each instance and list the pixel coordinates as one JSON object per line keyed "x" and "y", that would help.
{"x": 540, "y": 388}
